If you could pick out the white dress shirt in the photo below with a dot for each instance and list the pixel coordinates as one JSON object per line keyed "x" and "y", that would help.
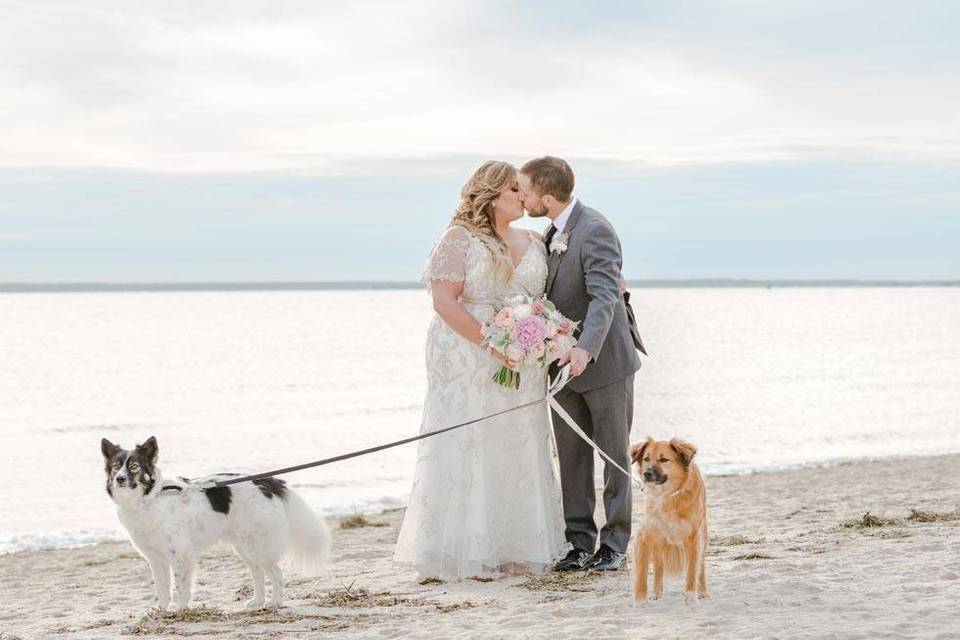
{"x": 561, "y": 220}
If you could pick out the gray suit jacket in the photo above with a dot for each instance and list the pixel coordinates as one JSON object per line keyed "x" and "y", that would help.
{"x": 584, "y": 283}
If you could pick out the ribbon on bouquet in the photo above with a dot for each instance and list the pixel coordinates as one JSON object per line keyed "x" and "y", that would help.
{"x": 558, "y": 383}
{"x": 553, "y": 388}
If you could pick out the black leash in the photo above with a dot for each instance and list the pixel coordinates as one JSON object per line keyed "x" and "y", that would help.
{"x": 554, "y": 387}
{"x": 355, "y": 454}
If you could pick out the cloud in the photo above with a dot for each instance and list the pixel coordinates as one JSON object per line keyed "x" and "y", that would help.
{"x": 320, "y": 87}
{"x": 830, "y": 218}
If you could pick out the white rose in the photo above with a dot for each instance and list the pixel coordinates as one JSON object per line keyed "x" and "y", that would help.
{"x": 514, "y": 352}
{"x": 554, "y": 351}
{"x": 523, "y": 311}
{"x": 566, "y": 343}
{"x": 496, "y": 335}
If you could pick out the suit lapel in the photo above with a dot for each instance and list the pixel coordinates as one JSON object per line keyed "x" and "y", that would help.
{"x": 554, "y": 259}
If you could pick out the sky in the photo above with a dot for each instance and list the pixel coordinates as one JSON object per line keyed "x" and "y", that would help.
{"x": 183, "y": 141}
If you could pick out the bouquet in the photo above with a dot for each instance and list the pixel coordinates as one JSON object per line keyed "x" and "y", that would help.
{"x": 528, "y": 330}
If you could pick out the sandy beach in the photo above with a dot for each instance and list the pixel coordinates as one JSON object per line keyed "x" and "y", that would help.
{"x": 791, "y": 555}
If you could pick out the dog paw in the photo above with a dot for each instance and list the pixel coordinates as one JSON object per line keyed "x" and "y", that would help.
{"x": 656, "y": 595}
{"x": 690, "y": 597}
{"x": 703, "y": 595}
{"x": 254, "y": 603}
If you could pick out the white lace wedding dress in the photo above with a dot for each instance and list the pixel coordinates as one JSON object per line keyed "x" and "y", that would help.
{"x": 486, "y": 494}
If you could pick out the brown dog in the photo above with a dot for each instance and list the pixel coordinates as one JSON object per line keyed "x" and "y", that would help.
{"x": 674, "y": 533}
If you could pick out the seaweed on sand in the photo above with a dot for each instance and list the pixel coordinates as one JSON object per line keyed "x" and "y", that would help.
{"x": 359, "y": 521}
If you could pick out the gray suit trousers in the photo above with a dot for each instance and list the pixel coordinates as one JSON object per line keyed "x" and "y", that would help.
{"x": 604, "y": 414}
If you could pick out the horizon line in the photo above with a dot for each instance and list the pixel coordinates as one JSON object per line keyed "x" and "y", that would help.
{"x": 341, "y": 285}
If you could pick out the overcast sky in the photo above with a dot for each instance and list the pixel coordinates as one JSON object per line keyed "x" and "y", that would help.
{"x": 274, "y": 140}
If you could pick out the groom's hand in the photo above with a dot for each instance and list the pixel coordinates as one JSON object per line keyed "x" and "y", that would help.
{"x": 578, "y": 359}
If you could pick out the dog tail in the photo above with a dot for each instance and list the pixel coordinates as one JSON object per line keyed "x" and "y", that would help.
{"x": 309, "y": 546}
{"x": 674, "y": 560}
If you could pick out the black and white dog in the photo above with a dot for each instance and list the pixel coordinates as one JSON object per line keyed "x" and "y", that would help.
{"x": 172, "y": 523}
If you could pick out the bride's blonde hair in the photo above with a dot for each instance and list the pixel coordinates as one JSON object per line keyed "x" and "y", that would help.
{"x": 475, "y": 211}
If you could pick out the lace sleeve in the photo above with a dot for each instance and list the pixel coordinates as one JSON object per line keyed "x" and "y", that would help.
{"x": 448, "y": 259}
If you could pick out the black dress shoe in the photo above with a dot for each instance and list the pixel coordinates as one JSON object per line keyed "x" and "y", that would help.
{"x": 605, "y": 559}
{"x": 574, "y": 561}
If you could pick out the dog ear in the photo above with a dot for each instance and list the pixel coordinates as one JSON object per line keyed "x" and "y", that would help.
{"x": 149, "y": 449}
{"x": 637, "y": 449}
{"x": 684, "y": 450}
{"x": 107, "y": 448}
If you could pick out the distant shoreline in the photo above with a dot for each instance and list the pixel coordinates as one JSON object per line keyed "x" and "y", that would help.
{"x": 703, "y": 283}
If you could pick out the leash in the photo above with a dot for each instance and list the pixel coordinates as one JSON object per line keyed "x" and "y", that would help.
{"x": 561, "y": 380}
{"x": 563, "y": 377}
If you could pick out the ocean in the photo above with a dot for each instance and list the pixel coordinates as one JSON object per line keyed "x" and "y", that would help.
{"x": 761, "y": 379}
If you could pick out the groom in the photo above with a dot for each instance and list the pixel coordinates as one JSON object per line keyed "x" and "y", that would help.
{"x": 584, "y": 282}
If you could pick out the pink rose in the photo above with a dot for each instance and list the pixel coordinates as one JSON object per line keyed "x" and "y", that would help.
{"x": 504, "y": 317}
{"x": 565, "y": 327}
{"x": 551, "y": 329}
{"x": 538, "y": 307}
{"x": 537, "y": 350}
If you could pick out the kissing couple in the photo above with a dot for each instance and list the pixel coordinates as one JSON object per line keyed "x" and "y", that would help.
{"x": 487, "y": 500}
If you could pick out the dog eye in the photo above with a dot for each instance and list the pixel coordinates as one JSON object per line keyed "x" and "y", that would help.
{"x": 117, "y": 465}
{"x": 647, "y": 459}
{"x": 134, "y": 467}
{"x": 662, "y": 460}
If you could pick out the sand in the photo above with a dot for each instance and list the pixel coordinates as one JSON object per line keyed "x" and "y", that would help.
{"x": 789, "y": 557}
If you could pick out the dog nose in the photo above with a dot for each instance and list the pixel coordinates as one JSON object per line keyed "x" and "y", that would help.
{"x": 121, "y": 480}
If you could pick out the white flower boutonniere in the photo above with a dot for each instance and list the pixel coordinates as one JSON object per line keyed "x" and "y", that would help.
{"x": 558, "y": 244}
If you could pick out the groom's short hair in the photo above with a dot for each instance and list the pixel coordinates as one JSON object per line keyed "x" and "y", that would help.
{"x": 550, "y": 176}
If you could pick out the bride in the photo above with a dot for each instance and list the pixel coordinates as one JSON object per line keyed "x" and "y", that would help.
{"x": 486, "y": 498}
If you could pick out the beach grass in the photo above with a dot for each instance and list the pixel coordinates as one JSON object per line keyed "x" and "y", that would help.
{"x": 933, "y": 516}
{"x": 560, "y": 581}
{"x": 754, "y": 556}
{"x": 359, "y": 521}
{"x": 870, "y": 521}
{"x": 354, "y": 597}
{"x": 157, "y": 622}
{"x": 730, "y": 541}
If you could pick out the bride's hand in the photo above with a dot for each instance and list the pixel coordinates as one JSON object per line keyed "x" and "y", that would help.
{"x": 504, "y": 360}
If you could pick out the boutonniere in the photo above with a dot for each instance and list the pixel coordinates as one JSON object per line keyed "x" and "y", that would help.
{"x": 559, "y": 243}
